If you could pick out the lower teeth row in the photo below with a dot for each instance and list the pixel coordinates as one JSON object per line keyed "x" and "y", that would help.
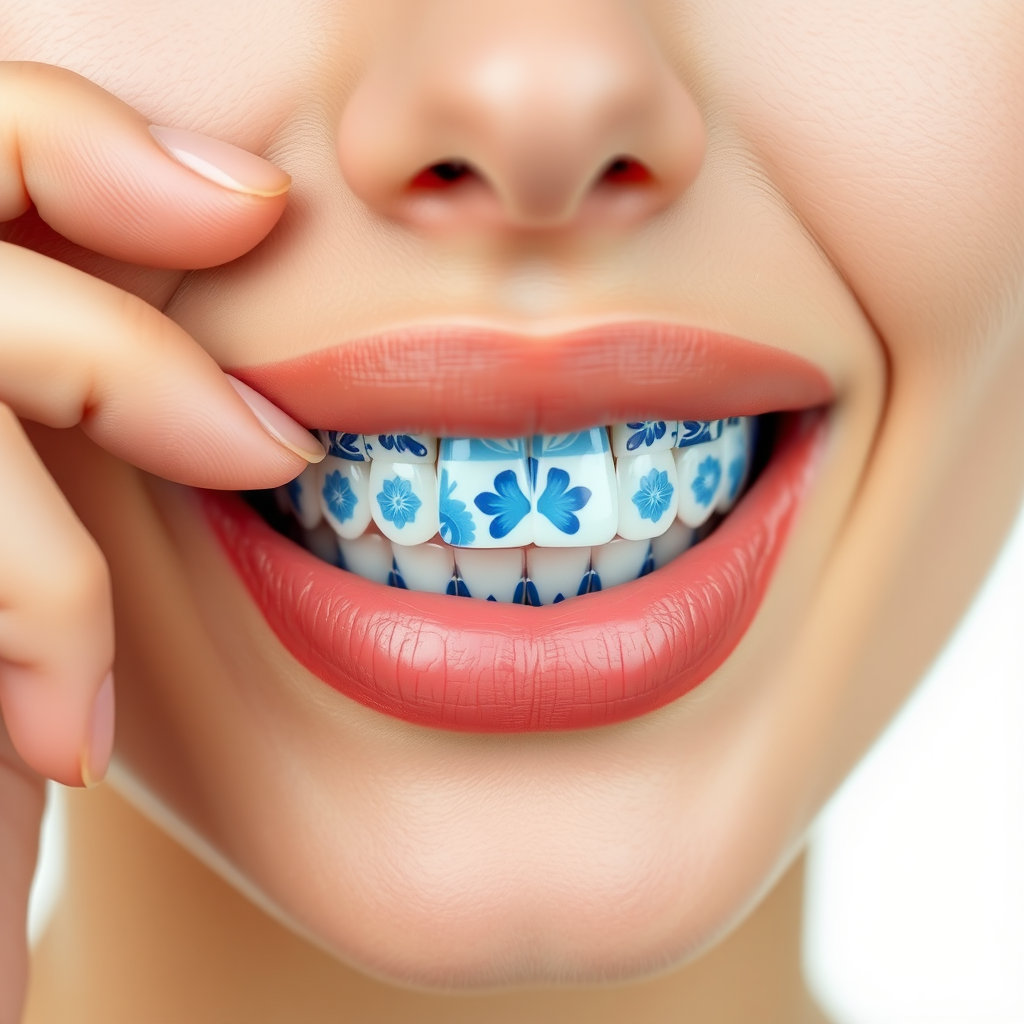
{"x": 520, "y": 520}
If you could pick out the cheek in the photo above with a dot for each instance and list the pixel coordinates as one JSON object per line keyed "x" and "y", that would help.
{"x": 896, "y": 133}
{"x": 230, "y": 69}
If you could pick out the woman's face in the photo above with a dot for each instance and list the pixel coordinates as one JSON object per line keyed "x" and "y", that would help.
{"x": 838, "y": 182}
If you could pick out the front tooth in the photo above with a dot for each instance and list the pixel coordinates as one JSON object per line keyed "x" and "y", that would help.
{"x": 344, "y": 490}
{"x": 323, "y": 543}
{"x": 575, "y": 501}
{"x": 619, "y": 561}
{"x": 351, "y": 447}
{"x": 737, "y": 455}
{"x": 403, "y": 500}
{"x": 484, "y": 492}
{"x": 494, "y": 575}
{"x": 368, "y": 556}
{"x": 672, "y": 543}
{"x": 691, "y": 432}
{"x": 427, "y": 568}
{"x": 700, "y": 481}
{"x": 648, "y": 494}
{"x": 303, "y": 496}
{"x": 555, "y": 574}
{"x": 642, "y": 436}
{"x": 401, "y": 447}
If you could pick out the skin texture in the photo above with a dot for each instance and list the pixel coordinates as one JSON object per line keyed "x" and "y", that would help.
{"x": 843, "y": 183}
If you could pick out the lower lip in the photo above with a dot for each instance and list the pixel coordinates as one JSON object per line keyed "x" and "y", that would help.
{"x": 478, "y": 666}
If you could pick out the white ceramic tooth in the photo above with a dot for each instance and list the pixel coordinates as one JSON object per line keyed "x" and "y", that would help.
{"x": 575, "y": 500}
{"x": 340, "y": 445}
{"x": 701, "y": 476}
{"x": 618, "y": 561}
{"x": 484, "y": 492}
{"x": 642, "y": 436}
{"x": 695, "y": 432}
{"x": 401, "y": 447}
{"x": 304, "y": 498}
{"x": 403, "y": 500}
{"x": 648, "y": 494}
{"x": 323, "y": 543}
{"x": 737, "y": 455}
{"x": 493, "y": 575}
{"x": 556, "y": 574}
{"x": 344, "y": 490}
{"x": 368, "y": 556}
{"x": 428, "y": 568}
{"x": 672, "y": 543}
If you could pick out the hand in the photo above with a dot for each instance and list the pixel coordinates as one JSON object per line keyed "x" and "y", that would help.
{"x": 78, "y": 351}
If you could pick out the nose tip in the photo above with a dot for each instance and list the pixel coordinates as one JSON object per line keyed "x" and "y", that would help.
{"x": 530, "y": 114}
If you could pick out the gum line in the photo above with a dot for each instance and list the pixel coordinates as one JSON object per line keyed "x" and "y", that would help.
{"x": 524, "y": 520}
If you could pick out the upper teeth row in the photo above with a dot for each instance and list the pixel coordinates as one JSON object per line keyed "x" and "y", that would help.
{"x": 550, "y": 490}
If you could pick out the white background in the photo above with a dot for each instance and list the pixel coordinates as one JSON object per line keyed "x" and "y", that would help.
{"x": 916, "y": 883}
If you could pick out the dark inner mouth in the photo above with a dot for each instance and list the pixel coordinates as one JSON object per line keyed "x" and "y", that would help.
{"x": 531, "y": 521}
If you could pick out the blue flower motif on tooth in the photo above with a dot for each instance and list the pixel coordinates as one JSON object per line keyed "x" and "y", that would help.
{"x": 558, "y": 502}
{"x": 402, "y": 443}
{"x": 654, "y": 495}
{"x": 397, "y": 503}
{"x": 456, "y": 521}
{"x": 509, "y": 506}
{"x": 705, "y": 483}
{"x": 340, "y": 498}
{"x": 647, "y": 432}
{"x": 344, "y": 446}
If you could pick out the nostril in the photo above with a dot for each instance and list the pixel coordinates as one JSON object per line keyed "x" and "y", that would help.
{"x": 624, "y": 170}
{"x": 442, "y": 175}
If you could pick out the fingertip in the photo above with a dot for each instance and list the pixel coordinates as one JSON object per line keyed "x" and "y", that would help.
{"x": 278, "y": 424}
{"x": 99, "y": 740}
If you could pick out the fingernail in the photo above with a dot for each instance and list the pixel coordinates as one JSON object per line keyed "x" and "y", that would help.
{"x": 222, "y": 163}
{"x": 100, "y": 741}
{"x": 278, "y": 424}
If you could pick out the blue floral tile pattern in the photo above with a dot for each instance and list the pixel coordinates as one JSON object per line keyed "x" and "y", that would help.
{"x": 340, "y": 498}
{"x": 645, "y": 434}
{"x": 705, "y": 483}
{"x": 456, "y": 520}
{"x": 693, "y": 432}
{"x": 344, "y": 446}
{"x": 402, "y": 444}
{"x": 654, "y": 495}
{"x": 559, "y": 502}
{"x": 397, "y": 502}
{"x": 509, "y": 505}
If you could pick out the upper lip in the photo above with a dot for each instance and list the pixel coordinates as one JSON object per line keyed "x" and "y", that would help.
{"x": 460, "y": 380}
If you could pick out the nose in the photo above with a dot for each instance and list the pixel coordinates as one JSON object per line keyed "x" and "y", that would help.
{"x": 530, "y": 114}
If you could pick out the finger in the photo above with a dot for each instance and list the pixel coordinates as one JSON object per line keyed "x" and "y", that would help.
{"x": 56, "y": 622}
{"x": 22, "y": 797}
{"x": 98, "y": 175}
{"x": 138, "y": 384}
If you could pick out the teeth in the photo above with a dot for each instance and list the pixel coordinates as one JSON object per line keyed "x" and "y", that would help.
{"x": 556, "y": 574}
{"x": 648, "y": 494}
{"x": 323, "y": 543}
{"x": 484, "y": 492}
{"x": 700, "y": 481}
{"x": 493, "y": 575}
{"x": 344, "y": 491}
{"x": 691, "y": 432}
{"x": 575, "y": 502}
{"x": 643, "y": 436}
{"x": 428, "y": 568}
{"x": 672, "y": 543}
{"x": 403, "y": 500}
{"x": 401, "y": 447}
{"x": 368, "y": 556}
{"x": 619, "y": 561}
{"x": 350, "y": 447}
{"x": 737, "y": 455}
{"x": 303, "y": 497}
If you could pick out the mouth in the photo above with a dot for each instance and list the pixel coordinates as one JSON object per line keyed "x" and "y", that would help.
{"x": 444, "y": 569}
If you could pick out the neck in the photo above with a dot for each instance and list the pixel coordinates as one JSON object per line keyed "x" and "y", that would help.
{"x": 146, "y": 932}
